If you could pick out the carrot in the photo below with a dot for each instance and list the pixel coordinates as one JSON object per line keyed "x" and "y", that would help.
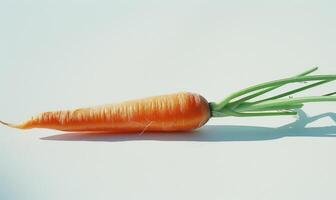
{"x": 182, "y": 111}
{"x": 174, "y": 112}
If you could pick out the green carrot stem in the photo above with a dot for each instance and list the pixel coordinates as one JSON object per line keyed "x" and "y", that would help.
{"x": 309, "y": 71}
{"x": 288, "y": 106}
{"x": 280, "y": 106}
{"x": 330, "y": 94}
{"x": 274, "y": 83}
{"x": 251, "y": 114}
{"x": 297, "y": 100}
{"x": 294, "y": 91}
{"x": 272, "y": 88}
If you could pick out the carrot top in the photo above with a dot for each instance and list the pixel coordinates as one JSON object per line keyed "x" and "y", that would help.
{"x": 238, "y": 104}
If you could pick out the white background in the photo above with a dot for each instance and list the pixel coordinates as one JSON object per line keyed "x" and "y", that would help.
{"x": 67, "y": 54}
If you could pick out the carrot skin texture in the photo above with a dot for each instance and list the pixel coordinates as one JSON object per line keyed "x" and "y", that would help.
{"x": 182, "y": 111}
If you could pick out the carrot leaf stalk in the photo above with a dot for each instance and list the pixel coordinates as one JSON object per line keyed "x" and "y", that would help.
{"x": 280, "y": 104}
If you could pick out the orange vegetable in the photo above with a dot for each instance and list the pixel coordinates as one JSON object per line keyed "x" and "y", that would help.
{"x": 181, "y": 111}
{"x": 176, "y": 112}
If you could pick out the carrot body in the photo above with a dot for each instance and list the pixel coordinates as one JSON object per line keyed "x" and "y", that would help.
{"x": 175, "y": 112}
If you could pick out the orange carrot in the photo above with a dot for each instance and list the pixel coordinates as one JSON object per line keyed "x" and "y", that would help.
{"x": 181, "y": 111}
{"x": 175, "y": 112}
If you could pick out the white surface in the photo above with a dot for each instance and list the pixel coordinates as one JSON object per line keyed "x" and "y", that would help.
{"x": 79, "y": 53}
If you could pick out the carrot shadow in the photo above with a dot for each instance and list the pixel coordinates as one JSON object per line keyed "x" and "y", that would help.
{"x": 217, "y": 133}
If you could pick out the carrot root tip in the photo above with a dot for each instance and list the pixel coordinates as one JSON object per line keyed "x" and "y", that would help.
{"x": 12, "y": 125}
{"x": 4, "y": 123}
